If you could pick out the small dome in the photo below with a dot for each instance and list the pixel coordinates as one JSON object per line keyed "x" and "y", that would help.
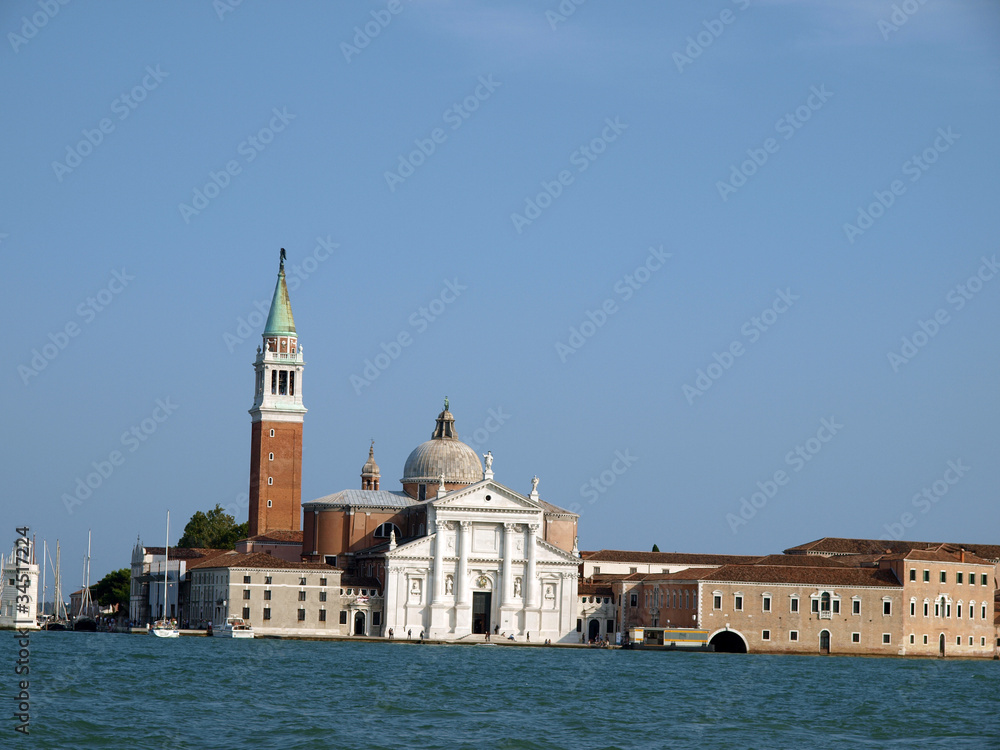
{"x": 370, "y": 469}
{"x": 444, "y": 454}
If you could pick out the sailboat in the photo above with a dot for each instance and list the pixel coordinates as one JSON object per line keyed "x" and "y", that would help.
{"x": 59, "y": 619}
{"x": 83, "y": 621}
{"x": 163, "y": 628}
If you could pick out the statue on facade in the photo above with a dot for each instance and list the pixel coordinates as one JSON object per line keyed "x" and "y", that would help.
{"x": 534, "y": 485}
{"x": 488, "y": 458}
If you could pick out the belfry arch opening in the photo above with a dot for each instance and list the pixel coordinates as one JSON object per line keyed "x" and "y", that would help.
{"x": 728, "y": 642}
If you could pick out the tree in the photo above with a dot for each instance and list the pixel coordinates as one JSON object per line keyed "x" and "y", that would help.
{"x": 656, "y": 548}
{"x": 113, "y": 589}
{"x": 215, "y": 529}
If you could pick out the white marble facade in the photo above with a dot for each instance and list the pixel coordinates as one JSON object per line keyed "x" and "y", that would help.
{"x": 483, "y": 566}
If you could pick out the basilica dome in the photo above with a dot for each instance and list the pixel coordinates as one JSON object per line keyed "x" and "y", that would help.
{"x": 444, "y": 454}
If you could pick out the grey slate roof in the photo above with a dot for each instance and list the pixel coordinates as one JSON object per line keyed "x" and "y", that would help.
{"x": 363, "y": 499}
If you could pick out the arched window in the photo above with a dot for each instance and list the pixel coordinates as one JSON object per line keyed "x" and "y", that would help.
{"x": 385, "y": 530}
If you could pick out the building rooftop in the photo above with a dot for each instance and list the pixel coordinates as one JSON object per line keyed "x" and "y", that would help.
{"x": 233, "y": 559}
{"x": 664, "y": 558}
{"x": 363, "y": 499}
{"x": 279, "y": 536}
{"x": 806, "y": 575}
{"x": 844, "y": 546}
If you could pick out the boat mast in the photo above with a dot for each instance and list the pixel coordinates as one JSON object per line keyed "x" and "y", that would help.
{"x": 166, "y": 561}
{"x": 45, "y": 550}
{"x": 85, "y": 603}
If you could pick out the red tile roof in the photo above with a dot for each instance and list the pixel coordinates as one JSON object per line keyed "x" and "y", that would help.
{"x": 590, "y": 588}
{"x": 819, "y": 576}
{"x": 233, "y": 559}
{"x": 277, "y": 535}
{"x": 664, "y": 558}
{"x": 843, "y": 546}
{"x": 187, "y": 553}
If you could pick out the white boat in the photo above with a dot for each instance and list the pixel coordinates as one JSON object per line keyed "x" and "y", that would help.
{"x": 235, "y": 627}
{"x": 165, "y": 628}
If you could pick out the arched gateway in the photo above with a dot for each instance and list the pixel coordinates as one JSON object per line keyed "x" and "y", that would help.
{"x": 728, "y": 642}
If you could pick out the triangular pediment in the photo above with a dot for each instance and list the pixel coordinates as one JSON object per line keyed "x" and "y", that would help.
{"x": 487, "y": 495}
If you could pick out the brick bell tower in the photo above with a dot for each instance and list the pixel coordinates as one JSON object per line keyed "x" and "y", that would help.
{"x": 276, "y": 421}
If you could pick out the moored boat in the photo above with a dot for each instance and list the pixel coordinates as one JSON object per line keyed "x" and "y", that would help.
{"x": 235, "y": 627}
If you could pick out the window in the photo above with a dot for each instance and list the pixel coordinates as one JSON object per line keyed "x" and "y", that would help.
{"x": 385, "y": 530}
{"x": 272, "y": 433}
{"x": 283, "y": 383}
{"x": 972, "y": 610}
{"x": 944, "y": 576}
{"x": 793, "y": 635}
{"x": 982, "y": 641}
{"x": 765, "y": 635}
{"x": 267, "y": 613}
{"x": 958, "y": 610}
{"x": 937, "y": 609}
{"x": 947, "y": 610}
{"x": 984, "y": 611}
{"x": 836, "y": 606}
{"x": 825, "y": 602}
{"x": 958, "y": 640}
{"x": 274, "y": 388}
{"x": 376, "y": 619}
{"x": 886, "y": 607}
{"x": 913, "y": 608}
{"x": 267, "y": 579}
{"x": 270, "y": 480}
{"x": 330, "y": 560}
{"x": 738, "y": 603}
{"x": 815, "y": 605}
{"x": 886, "y": 638}
{"x": 925, "y": 640}
{"x": 322, "y": 596}
{"x": 634, "y": 600}
{"x": 958, "y": 577}
{"x": 343, "y": 617}
{"x": 794, "y": 604}
{"x": 913, "y": 638}
{"x": 302, "y": 581}
{"x": 913, "y": 574}
{"x": 982, "y": 580}
{"x": 302, "y": 596}
{"x": 291, "y": 384}
{"x": 609, "y": 626}
{"x": 322, "y": 582}
{"x": 246, "y": 593}
{"x": 302, "y": 615}
{"x": 970, "y": 640}
{"x": 322, "y": 615}
{"x": 855, "y": 637}
{"x": 579, "y": 625}
{"x": 856, "y": 606}
{"x": 633, "y": 570}
{"x": 246, "y": 613}
{"x": 246, "y": 579}
{"x": 972, "y": 579}
{"x": 767, "y": 604}
{"x": 268, "y": 503}
{"x": 597, "y": 571}
{"x": 267, "y": 595}
{"x": 926, "y": 609}
{"x": 927, "y": 576}
{"x": 270, "y": 456}
{"x": 717, "y": 601}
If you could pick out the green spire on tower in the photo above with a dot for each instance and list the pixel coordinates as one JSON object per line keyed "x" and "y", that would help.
{"x": 279, "y": 320}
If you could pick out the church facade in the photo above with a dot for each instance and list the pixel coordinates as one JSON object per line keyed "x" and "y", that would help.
{"x": 453, "y": 554}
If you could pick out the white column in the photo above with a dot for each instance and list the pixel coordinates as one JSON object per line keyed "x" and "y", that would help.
{"x": 389, "y": 598}
{"x": 531, "y": 576}
{"x": 507, "y": 589}
{"x": 440, "y": 527}
{"x": 462, "y": 584}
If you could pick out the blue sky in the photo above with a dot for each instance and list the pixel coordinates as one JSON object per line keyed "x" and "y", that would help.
{"x": 602, "y": 212}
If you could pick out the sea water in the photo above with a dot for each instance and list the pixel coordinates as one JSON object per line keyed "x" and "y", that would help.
{"x": 100, "y": 690}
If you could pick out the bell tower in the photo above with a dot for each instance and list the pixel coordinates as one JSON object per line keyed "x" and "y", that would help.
{"x": 276, "y": 421}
